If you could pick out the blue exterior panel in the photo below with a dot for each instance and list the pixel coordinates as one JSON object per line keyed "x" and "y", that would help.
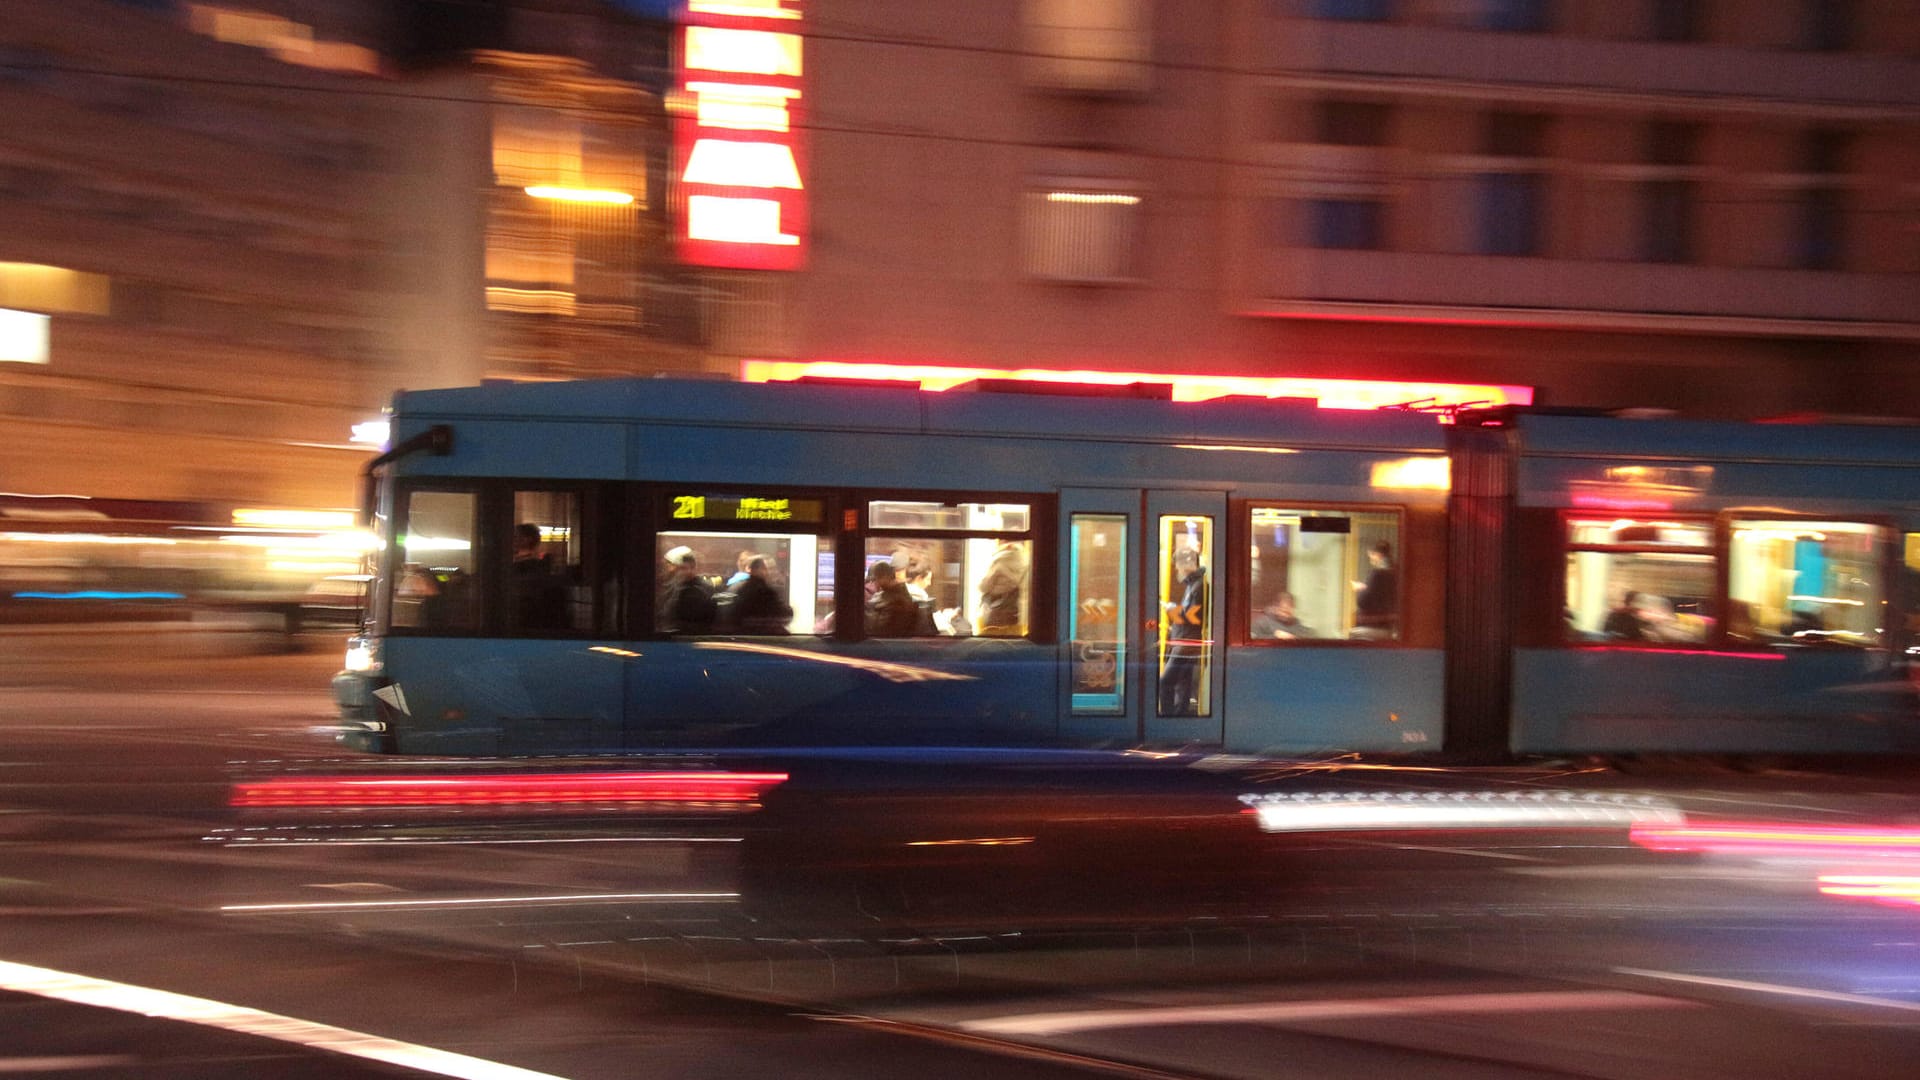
{"x": 1311, "y": 699}
{"x": 1807, "y": 701}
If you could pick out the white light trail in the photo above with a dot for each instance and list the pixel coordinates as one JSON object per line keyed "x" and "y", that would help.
{"x": 166, "y": 1005}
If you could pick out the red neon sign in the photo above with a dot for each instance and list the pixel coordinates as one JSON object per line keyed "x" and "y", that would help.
{"x": 739, "y": 162}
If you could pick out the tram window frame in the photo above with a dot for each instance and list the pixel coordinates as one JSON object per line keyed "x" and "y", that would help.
{"x": 479, "y": 545}
{"x": 1888, "y": 565}
{"x": 1040, "y": 536}
{"x": 600, "y": 517}
{"x": 1241, "y": 541}
{"x": 654, "y": 519}
{"x": 1714, "y": 550}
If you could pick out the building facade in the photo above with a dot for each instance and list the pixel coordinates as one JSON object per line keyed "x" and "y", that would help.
{"x": 1703, "y": 206}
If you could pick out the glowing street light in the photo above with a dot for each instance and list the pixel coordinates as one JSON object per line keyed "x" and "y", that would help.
{"x": 580, "y": 195}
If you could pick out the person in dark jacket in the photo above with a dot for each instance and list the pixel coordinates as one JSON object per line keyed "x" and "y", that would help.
{"x": 1378, "y": 605}
{"x": 1186, "y": 632}
{"x": 758, "y": 606}
{"x": 1624, "y": 622}
{"x": 891, "y": 611}
{"x": 686, "y": 605}
{"x": 538, "y": 592}
{"x": 1002, "y": 590}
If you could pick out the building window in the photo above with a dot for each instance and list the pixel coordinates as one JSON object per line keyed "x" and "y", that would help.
{"x": 1678, "y": 21}
{"x": 1346, "y": 224}
{"x": 1667, "y": 201}
{"x": 1821, "y": 234}
{"x": 1081, "y": 235}
{"x": 1515, "y": 134}
{"x": 1820, "y": 227}
{"x": 1829, "y": 25}
{"x": 1351, "y": 123}
{"x": 1672, "y": 142}
{"x": 1666, "y": 220}
{"x": 1639, "y": 581}
{"x": 1518, "y": 16}
{"x": 1354, "y": 10}
{"x": 1511, "y": 209}
{"x": 1098, "y": 46}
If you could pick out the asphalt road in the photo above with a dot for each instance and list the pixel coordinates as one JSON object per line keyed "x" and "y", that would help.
{"x": 1129, "y": 927}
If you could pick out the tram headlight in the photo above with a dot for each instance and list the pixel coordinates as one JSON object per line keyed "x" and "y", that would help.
{"x": 363, "y": 655}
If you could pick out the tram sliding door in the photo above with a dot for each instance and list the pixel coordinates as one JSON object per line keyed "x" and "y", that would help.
{"x": 1184, "y": 587}
{"x": 1100, "y": 639}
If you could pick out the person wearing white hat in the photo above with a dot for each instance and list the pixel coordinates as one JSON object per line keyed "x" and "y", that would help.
{"x": 686, "y": 603}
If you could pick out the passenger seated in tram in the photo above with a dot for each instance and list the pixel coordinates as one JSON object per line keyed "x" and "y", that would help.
{"x": 1277, "y": 620}
{"x": 891, "y": 611}
{"x": 686, "y": 604}
{"x": 1624, "y": 623}
{"x": 758, "y": 606}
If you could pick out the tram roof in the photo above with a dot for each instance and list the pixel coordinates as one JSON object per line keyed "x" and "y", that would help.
{"x": 870, "y": 408}
{"x": 1596, "y": 434}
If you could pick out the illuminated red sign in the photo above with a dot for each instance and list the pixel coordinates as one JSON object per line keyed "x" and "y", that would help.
{"x": 738, "y": 157}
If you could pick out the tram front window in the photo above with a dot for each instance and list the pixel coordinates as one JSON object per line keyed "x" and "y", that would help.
{"x": 434, "y": 590}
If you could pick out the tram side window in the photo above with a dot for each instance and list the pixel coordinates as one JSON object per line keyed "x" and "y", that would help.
{"x": 936, "y": 569}
{"x": 1324, "y": 575}
{"x": 548, "y": 589}
{"x": 435, "y": 591}
{"x": 1639, "y": 580}
{"x": 1806, "y": 582}
{"x": 743, "y": 583}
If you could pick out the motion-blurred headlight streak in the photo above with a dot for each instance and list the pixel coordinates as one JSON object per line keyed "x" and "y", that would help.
{"x": 737, "y": 789}
{"x": 1350, "y": 811}
{"x": 1779, "y": 839}
{"x": 1898, "y": 889}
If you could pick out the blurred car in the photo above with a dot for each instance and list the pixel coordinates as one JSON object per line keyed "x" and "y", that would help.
{"x": 338, "y": 600}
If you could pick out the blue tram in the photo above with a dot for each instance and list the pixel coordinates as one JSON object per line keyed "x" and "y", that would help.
{"x": 603, "y": 566}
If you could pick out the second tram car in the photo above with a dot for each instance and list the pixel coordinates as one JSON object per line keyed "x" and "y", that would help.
{"x": 601, "y": 566}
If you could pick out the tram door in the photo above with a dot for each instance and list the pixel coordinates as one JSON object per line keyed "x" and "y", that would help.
{"x": 1184, "y": 619}
{"x": 1139, "y": 622}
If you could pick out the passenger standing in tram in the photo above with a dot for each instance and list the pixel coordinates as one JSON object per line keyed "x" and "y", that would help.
{"x": 1186, "y": 623}
{"x": 538, "y": 592}
{"x": 686, "y": 605}
{"x": 1000, "y": 591}
{"x": 1378, "y": 603}
{"x": 890, "y": 608}
{"x": 759, "y": 607}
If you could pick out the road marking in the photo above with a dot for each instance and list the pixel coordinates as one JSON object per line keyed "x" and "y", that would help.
{"x": 166, "y": 1005}
{"x": 64, "y": 1064}
{"x": 1062, "y": 1023}
{"x": 1772, "y": 988}
{"x": 347, "y": 905}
